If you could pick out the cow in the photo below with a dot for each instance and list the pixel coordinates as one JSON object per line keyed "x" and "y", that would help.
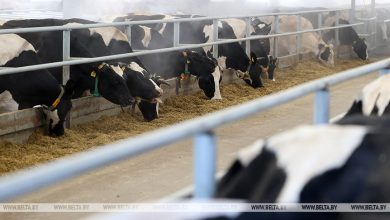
{"x": 176, "y": 64}
{"x": 342, "y": 163}
{"x": 32, "y": 88}
{"x": 137, "y": 76}
{"x": 382, "y": 15}
{"x": 102, "y": 42}
{"x": 231, "y": 56}
{"x": 261, "y": 47}
{"x": 109, "y": 84}
{"x": 311, "y": 43}
{"x": 347, "y": 36}
{"x": 373, "y": 99}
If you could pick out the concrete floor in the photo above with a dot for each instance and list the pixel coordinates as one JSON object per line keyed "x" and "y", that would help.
{"x": 162, "y": 172}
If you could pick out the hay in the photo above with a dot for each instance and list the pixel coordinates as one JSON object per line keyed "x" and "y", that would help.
{"x": 40, "y": 148}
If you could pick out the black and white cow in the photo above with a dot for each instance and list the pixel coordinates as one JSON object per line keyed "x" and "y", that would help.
{"x": 90, "y": 76}
{"x": 33, "y": 88}
{"x": 261, "y": 47}
{"x": 382, "y": 15}
{"x": 175, "y": 64}
{"x": 347, "y": 36}
{"x": 373, "y": 99}
{"x": 95, "y": 42}
{"x": 311, "y": 43}
{"x": 314, "y": 164}
{"x": 136, "y": 74}
{"x": 231, "y": 56}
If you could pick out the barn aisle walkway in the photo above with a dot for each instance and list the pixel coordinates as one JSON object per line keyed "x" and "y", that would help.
{"x": 164, "y": 171}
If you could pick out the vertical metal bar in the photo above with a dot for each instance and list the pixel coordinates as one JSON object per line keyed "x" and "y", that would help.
{"x": 204, "y": 164}
{"x": 66, "y": 69}
{"x": 65, "y": 55}
{"x": 352, "y": 13}
{"x": 248, "y": 34}
{"x": 215, "y": 38}
{"x": 276, "y": 47}
{"x": 373, "y": 25}
{"x": 320, "y": 23}
{"x": 176, "y": 34}
{"x": 128, "y": 33}
{"x": 299, "y": 36}
{"x": 321, "y": 106}
{"x": 337, "y": 30}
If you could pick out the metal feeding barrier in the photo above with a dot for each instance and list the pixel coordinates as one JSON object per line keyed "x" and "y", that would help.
{"x": 201, "y": 129}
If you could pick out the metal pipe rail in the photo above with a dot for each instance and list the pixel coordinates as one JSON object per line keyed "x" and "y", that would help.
{"x": 119, "y": 56}
{"x": 201, "y": 128}
{"x": 125, "y": 23}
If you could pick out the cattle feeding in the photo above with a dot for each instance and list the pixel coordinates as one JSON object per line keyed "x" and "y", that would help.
{"x": 107, "y": 80}
{"x": 33, "y": 88}
{"x": 347, "y": 36}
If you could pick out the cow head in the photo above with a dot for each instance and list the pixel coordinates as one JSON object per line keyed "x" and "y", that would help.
{"x": 326, "y": 54}
{"x": 207, "y": 71}
{"x": 56, "y": 113}
{"x": 150, "y": 109}
{"x": 252, "y": 75}
{"x": 260, "y": 27}
{"x": 146, "y": 91}
{"x": 360, "y": 48}
{"x": 110, "y": 84}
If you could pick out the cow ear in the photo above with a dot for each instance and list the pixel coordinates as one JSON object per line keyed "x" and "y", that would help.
{"x": 331, "y": 46}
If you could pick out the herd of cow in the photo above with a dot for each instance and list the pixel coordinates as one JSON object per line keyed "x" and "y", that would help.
{"x": 137, "y": 80}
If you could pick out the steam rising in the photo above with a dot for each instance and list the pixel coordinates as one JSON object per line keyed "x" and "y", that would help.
{"x": 98, "y": 9}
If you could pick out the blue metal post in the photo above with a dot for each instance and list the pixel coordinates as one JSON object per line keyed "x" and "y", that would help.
{"x": 248, "y": 34}
{"x": 65, "y": 55}
{"x": 276, "y": 47}
{"x": 204, "y": 165}
{"x": 66, "y": 69}
{"x": 320, "y": 23}
{"x": 321, "y": 106}
{"x": 176, "y": 34}
{"x": 299, "y": 36}
{"x": 337, "y": 30}
{"x": 215, "y": 38}
{"x": 128, "y": 33}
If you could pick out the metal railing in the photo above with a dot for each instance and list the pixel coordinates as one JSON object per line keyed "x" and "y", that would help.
{"x": 26, "y": 181}
{"x": 201, "y": 129}
{"x": 66, "y": 38}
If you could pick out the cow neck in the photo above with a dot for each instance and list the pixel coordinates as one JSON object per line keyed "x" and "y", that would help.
{"x": 56, "y": 101}
{"x": 249, "y": 65}
{"x": 95, "y": 92}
